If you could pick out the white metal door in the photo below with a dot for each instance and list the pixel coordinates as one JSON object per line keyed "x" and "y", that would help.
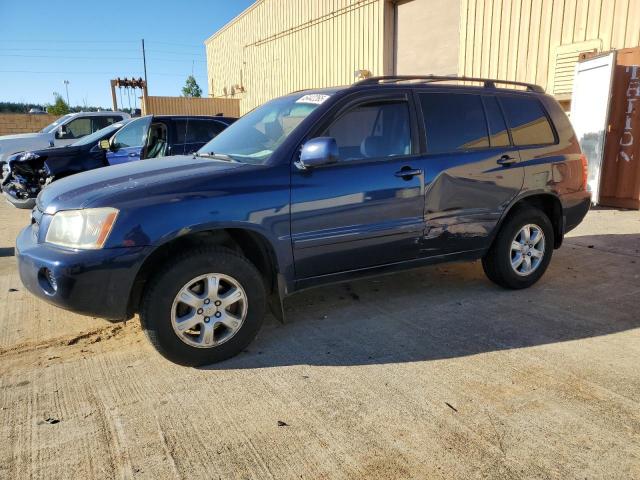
{"x": 590, "y": 112}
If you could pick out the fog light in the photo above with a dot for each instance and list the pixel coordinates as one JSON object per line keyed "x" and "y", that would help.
{"x": 48, "y": 281}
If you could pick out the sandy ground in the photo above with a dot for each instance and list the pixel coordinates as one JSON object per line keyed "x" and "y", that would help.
{"x": 433, "y": 373}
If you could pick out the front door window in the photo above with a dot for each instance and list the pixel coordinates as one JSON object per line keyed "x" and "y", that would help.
{"x": 372, "y": 130}
{"x": 134, "y": 134}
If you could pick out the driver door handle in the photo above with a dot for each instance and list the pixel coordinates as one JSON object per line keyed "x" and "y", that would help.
{"x": 507, "y": 160}
{"x": 407, "y": 173}
{"x": 132, "y": 154}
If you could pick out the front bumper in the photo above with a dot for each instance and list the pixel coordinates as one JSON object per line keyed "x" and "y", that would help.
{"x": 90, "y": 282}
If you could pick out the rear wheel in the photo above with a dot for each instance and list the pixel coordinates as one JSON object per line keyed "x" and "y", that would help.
{"x": 521, "y": 251}
{"x": 206, "y": 306}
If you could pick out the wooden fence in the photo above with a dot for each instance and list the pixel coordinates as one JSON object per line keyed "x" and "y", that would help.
{"x": 191, "y": 106}
{"x": 11, "y": 123}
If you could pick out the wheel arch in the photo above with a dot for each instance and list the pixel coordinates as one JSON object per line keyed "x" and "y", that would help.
{"x": 253, "y": 245}
{"x": 549, "y": 203}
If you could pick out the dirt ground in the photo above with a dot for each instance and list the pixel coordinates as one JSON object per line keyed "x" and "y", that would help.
{"x": 433, "y": 373}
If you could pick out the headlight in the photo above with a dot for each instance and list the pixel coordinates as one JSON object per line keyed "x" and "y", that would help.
{"x": 84, "y": 229}
{"x": 28, "y": 156}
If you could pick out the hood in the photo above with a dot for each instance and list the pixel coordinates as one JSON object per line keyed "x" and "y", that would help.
{"x": 52, "y": 152}
{"x": 117, "y": 184}
{"x": 10, "y": 144}
{"x": 20, "y": 136}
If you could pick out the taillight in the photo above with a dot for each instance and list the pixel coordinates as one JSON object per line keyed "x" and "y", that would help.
{"x": 585, "y": 170}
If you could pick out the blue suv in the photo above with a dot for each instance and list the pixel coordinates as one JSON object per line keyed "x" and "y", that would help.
{"x": 314, "y": 187}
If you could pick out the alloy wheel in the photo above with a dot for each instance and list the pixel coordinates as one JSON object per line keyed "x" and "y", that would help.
{"x": 209, "y": 310}
{"x": 527, "y": 250}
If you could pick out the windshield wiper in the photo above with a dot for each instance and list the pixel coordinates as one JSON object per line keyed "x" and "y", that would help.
{"x": 217, "y": 156}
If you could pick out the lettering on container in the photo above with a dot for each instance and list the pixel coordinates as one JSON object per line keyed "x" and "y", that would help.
{"x": 633, "y": 93}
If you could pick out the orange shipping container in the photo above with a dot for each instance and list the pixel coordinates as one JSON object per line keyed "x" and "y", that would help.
{"x": 620, "y": 182}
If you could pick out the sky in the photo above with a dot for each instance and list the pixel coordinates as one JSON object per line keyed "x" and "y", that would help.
{"x": 89, "y": 42}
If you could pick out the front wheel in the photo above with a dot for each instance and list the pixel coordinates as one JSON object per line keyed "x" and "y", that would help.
{"x": 521, "y": 251}
{"x": 204, "y": 307}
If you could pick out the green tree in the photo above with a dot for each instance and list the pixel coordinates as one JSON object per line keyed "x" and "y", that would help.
{"x": 59, "y": 107}
{"x": 191, "y": 88}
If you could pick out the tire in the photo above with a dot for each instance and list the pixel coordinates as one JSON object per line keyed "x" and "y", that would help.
{"x": 161, "y": 306}
{"x": 497, "y": 263}
{"x": 26, "y": 204}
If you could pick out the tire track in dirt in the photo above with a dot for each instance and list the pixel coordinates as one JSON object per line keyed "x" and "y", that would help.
{"x": 85, "y": 338}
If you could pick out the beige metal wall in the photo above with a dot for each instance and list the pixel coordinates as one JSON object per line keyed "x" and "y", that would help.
{"x": 190, "y": 106}
{"x": 276, "y": 47}
{"x": 539, "y": 40}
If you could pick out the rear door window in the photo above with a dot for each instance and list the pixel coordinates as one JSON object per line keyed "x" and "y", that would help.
{"x": 103, "y": 121}
{"x": 201, "y": 131}
{"x": 527, "y": 121}
{"x": 453, "y": 122}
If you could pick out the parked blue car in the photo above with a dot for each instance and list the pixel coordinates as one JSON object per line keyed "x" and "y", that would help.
{"x": 315, "y": 187}
{"x": 26, "y": 173}
{"x": 156, "y": 136}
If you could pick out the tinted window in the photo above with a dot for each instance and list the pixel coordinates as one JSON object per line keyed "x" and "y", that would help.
{"x": 197, "y": 131}
{"x": 101, "y": 122}
{"x": 528, "y": 123}
{"x": 498, "y": 135}
{"x": 373, "y": 130}
{"x": 453, "y": 122}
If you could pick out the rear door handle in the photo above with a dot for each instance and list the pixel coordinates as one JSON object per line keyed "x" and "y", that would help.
{"x": 407, "y": 173}
{"x": 507, "y": 160}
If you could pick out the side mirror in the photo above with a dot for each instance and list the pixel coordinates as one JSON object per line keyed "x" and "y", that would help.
{"x": 104, "y": 145}
{"x": 318, "y": 151}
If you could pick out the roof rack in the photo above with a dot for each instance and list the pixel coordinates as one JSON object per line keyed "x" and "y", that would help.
{"x": 488, "y": 82}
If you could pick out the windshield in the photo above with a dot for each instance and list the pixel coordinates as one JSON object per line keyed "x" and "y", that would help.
{"x": 98, "y": 135}
{"x": 255, "y": 136}
{"x": 52, "y": 126}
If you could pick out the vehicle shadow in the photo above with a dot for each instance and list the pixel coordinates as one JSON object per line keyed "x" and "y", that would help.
{"x": 452, "y": 310}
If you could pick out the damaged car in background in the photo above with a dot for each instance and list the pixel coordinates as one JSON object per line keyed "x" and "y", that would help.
{"x": 26, "y": 173}
{"x": 64, "y": 131}
{"x": 152, "y": 136}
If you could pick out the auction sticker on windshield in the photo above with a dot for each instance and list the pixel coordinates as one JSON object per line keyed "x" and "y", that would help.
{"x": 315, "y": 98}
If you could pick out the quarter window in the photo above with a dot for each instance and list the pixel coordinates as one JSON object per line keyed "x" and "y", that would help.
{"x": 528, "y": 123}
{"x": 453, "y": 122}
{"x": 372, "y": 130}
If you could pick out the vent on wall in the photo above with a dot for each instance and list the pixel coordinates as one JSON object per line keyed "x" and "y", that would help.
{"x": 563, "y": 64}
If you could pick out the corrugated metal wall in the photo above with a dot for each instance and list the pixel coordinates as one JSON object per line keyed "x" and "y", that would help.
{"x": 539, "y": 40}
{"x": 190, "y": 106}
{"x": 276, "y": 47}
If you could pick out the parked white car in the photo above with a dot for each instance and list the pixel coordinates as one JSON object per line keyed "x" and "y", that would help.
{"x": 63, "y": 131}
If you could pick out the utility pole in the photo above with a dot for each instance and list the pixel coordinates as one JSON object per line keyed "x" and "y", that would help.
{"x": 144, "y": 61}
{"x": 66, "y": 86}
